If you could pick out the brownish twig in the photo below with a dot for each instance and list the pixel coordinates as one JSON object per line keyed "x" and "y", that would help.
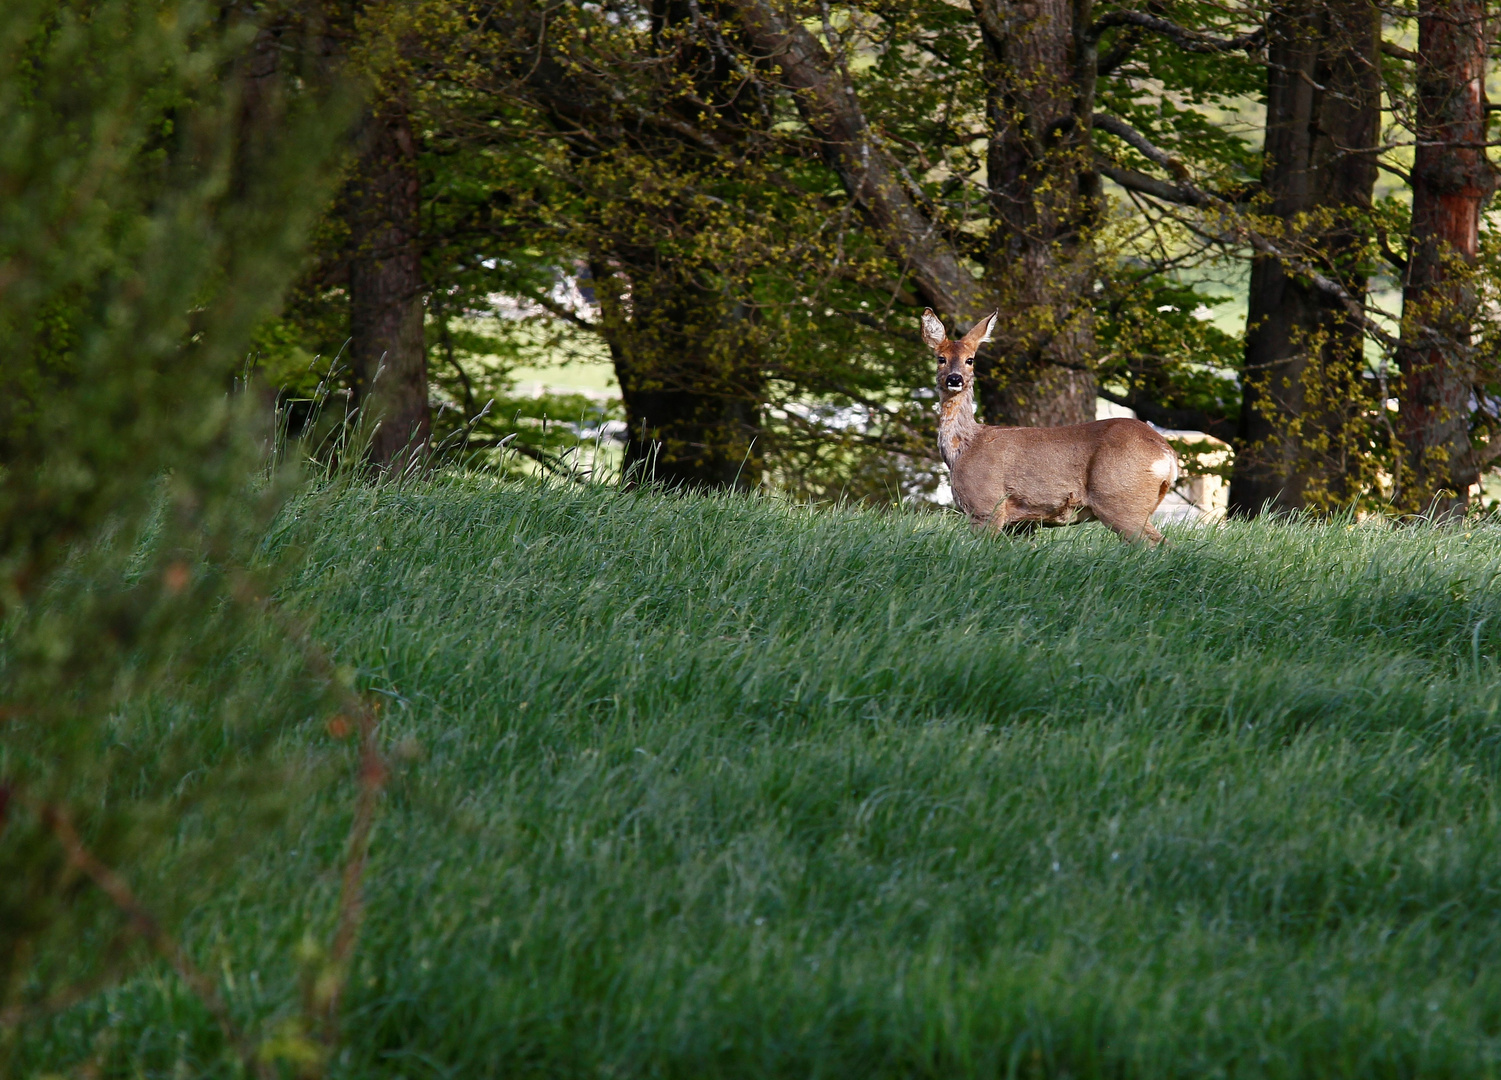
{"x": 328, "y": 992}
{"x": 321, "y": 1008}
{"x": 66, "y": 998}
{"x": 373, "y": 774}
{"x": 330, "y": 985}
{"x": 145, "y": 924}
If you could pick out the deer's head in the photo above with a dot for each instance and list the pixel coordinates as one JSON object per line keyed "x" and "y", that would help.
{"x": 956, "y": 359}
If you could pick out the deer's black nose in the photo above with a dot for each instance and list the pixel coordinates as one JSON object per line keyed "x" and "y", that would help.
{"x": 955, "y": 381}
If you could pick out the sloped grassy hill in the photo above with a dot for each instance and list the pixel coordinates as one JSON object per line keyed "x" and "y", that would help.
{"x": 719, "y": 787}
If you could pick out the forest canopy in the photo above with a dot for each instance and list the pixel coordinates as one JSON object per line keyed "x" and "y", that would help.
{"x": 745, "y": 206}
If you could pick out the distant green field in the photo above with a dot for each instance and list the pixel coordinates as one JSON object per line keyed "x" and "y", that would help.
{"x": 720, "y": 787}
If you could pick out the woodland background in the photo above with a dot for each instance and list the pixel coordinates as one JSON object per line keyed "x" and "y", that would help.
{"x": 745, "y": 205}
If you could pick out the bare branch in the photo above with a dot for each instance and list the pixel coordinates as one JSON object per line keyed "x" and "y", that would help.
{"x": 1140, "y": 182}
{"x": 1189, "y": 40}
{"x": 1124, "y": 131}
{"x": 552, "y": 307}
{"x": 1488, "y": 453}
{"x": 1165, "y": 416}
{"x": 143, "y": 923}
{"x": 1119, "y": 53}
{"x": 1396, "y": 261}
{"x": 1189, "y": 194}
{"x": 870, "y": 174}
{"x": 66, "y": 998}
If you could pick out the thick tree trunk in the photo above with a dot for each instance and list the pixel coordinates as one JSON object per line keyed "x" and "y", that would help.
{"x": 1043, "y": 196}
{"x": 388, "y": 353}
{"x": 1302, "y": 385}
{"x": 1451, "y": 180}
{"x": 690, "y": 377}
{"x": 688, "y": 370}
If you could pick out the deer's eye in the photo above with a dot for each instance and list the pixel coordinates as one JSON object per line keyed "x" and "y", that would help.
{"x": 970, "y": 361}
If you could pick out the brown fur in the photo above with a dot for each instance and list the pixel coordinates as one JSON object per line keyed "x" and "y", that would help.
{"x": 1113, "y": 471}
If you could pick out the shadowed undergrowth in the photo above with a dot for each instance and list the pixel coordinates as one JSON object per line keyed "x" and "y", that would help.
{"x": 714, "y": 786}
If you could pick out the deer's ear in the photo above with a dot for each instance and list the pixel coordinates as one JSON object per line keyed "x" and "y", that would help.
{"x": 933, "y": 334}
{"x": 980, "y": 332}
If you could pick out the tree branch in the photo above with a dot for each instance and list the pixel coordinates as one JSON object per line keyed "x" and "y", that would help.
{"x": 1397, "y": 261}
{"x": 1140, "y": 182}
{"x": 1189, "y": 40}
{"x": 556, "y": 309}
{"x": 872, "y": 177}
{"x": 1125, "y": 132}
{"x": 1392, "y": 49}
{"x": 66, "y": 998}
{"x": 143, "y": 923}
{"x": 373, "y": 775}
{"x": 1165, "y": 416}
{"x": 1488, "y": 453}
{"x": 1186, "y": 193}
{"x": 1119, "y": 53}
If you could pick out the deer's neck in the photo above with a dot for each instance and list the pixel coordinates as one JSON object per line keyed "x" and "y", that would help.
{"x": 956, "y": 426}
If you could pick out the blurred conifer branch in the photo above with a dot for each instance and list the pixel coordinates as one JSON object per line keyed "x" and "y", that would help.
{"x": 162, "y": 163}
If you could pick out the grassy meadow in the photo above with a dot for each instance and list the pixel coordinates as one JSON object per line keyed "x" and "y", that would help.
{"x": 697, "y": 786}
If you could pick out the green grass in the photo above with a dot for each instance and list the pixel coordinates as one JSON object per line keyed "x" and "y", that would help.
{"x": 720, "y": 787}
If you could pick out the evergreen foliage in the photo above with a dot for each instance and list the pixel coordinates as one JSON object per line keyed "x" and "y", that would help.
{"x": 693, "y": 783}
{"x": 157, "y": 196}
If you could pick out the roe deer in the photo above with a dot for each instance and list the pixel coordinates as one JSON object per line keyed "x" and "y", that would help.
{"x": 1113, "y": 471}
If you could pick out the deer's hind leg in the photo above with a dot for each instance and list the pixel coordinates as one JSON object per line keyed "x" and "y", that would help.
{"x": 1131, "y": 527}
{"x": 1127, "y": 508}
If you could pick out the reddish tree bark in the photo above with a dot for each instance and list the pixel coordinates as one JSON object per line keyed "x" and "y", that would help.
{"x": 1451, "y": 180}
{"x": 388, "y": 353}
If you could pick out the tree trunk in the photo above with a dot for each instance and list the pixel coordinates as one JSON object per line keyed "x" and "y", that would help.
{"x": 388, "y": 353}
{"x": 689, "y": 375}
{"x": 1302, "y": 385}
{"x": 679, "y": 337}
{"x": 1451, "y": 180}
{"x": 1043, "y": 196}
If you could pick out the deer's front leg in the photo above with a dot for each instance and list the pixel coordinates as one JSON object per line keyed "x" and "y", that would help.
{"x": 1005, "y": 515}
